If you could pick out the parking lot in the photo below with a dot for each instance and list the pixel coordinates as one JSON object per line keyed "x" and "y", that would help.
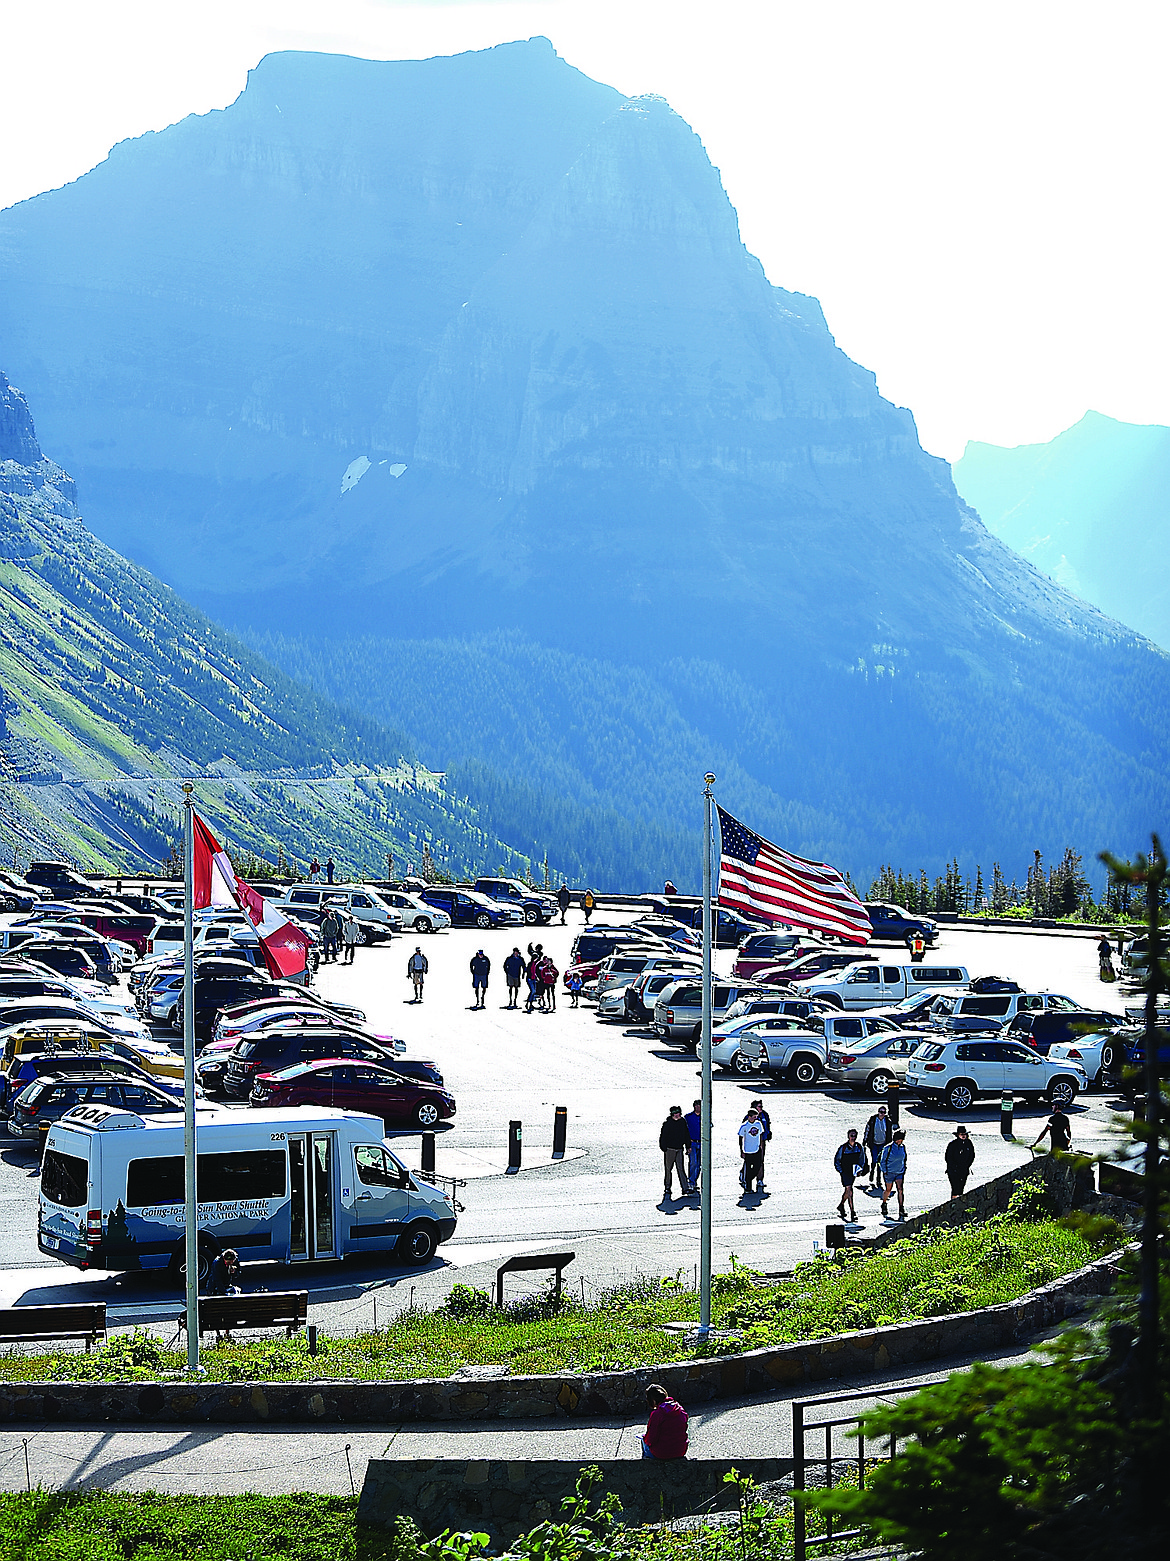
{"x": 603, "y": 1200}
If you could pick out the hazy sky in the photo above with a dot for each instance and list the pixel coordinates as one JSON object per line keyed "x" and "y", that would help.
{"x": 975, "y": 192}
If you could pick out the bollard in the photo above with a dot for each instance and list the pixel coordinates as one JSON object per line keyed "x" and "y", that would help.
{"x": 834, "y": 1237}
{"x": 312, "y": 1332}
{"x": 892, "y": 1095}
{"x": 1007, "y": 1106}
{"x": 560, "y": 1131}
{"x": 428, "y": 1153}
{"x": 514, "y": 1132}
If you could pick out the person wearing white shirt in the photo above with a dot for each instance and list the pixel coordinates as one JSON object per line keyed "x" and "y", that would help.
{"x": 751, "y": 1148}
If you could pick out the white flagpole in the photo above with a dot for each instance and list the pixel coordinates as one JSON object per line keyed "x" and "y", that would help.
{"x": 705, "y": 1197}
{"x": 191, "y": 1212}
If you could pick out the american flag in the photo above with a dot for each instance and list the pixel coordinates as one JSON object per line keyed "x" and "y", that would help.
{"x": 757, "y": 877}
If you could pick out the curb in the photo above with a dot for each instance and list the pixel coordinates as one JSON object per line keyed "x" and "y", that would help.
{"x": 597, "y": 1395}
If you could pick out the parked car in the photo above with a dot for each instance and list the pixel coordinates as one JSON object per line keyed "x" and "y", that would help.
{"x": 1042, "y": 1028}
{"x": 62, "y": 880}
{"x": 272, "y": 1050}
{"x": 61, "y": 1061}
{"x": 1101, "y": 1054}
{"x": 761, "y": 950}
{"x": 214, "y": 992}
{"x": 866, "y": 983}
{"x": 17, "y": 894}
{"x": 912, "y": 1012}
{"x": 352, "y": 1085}
{"x": 621, "y": 968}
{"x": 416, "y": 915}
{"x": 730, "y": 928}
{"x": 963, "y": 1071}
{"x": 678, "y": 1011}
{"x": 787, "y": 971}
{"x": 874, "y": 1063}
{"x": 794, "y": 1007}
{"x": 894, "y": 923}
{"x": 72, "y": 1010}
{"x": 670, "y": 931}
{"x": 305, "y": 1008}
{"x": 471, "y": 910}
{"x": 65, "y": 959}
{"x": 93, "y": 994}
{"x": 378, "y": 920}
{"x": 47, "y": 1099}
{"x": 778, "y": 1043}
{"x": 635, "y": 1003}
{"x": 594, "y": 944}
{"x": 106, "y": 957}
{"x": 968, "y": 1014}
{"x": 538, "y": 908}
{"x": 118, "y": 926}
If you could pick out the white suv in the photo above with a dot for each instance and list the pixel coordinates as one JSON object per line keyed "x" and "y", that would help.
{"x": 416, "y": 916}
{"x": 960, "y": 1072}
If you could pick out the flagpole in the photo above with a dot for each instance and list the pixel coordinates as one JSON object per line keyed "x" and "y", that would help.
{"x": 191, "y": 1211}
{"x": 707, "y": 1168}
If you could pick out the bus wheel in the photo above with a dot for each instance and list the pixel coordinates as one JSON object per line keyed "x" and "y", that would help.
{"x": 177, "y": 1268}
{"x": 417, "y": 1244}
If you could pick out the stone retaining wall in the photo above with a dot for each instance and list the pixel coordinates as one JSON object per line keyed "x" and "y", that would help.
{"x": 596, "y": 1395}
{"x": 505, "y": 1498}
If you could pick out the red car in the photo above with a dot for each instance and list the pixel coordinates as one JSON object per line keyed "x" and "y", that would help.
{"x": 807, "y": 967}
{"x": 354, "y": 1084}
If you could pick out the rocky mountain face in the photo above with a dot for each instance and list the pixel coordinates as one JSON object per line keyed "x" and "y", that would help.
{"x": 1091, "y": 508}
{"x": 389, "y": 360}
{"x": 113, "y": 692}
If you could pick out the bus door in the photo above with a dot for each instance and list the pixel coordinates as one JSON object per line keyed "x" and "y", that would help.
{"x": 312, "y": 1173}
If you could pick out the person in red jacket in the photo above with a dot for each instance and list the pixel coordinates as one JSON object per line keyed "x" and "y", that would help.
{"x": 666, "y": 1429}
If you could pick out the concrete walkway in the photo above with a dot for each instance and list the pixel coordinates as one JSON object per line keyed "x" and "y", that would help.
{"x": 271, "y": 1460}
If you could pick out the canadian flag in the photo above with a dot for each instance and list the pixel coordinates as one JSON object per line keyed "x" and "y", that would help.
{"x": 284, "y": 945}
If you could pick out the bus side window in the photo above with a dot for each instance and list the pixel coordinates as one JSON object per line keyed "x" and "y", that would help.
{"x": 375, "y": 1168}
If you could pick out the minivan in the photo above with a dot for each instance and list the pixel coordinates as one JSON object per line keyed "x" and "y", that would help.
{"x": 291, "y": 1187}
{"x": 866, "y": 983}
{"x": 378, "y": 921}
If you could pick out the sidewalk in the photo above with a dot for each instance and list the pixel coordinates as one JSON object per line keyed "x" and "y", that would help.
{"x": 206, "y": 1460}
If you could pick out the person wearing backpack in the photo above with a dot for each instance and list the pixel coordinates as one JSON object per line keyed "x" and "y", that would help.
{"x": 893, "y": 1164}
{"x": 416, "y": 968}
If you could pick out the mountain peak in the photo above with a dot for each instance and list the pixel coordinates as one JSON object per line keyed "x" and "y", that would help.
{"x": 18, "y": 437}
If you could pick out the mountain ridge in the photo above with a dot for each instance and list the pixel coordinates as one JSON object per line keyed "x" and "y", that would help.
{"x": 468, "y": 352}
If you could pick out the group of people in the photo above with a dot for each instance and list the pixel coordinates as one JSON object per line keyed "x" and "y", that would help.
{"x": 537, "y": 970}
{"x": 681, "y": 1141}
{"x": 315, "y": 870}
{"x": 879, "y": 1153}
{"x": 339, "y": 931}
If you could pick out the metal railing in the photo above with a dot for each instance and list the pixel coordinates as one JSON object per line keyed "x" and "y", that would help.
{"x": 449, "y": 1184}
{"x": 857, "y": 1459}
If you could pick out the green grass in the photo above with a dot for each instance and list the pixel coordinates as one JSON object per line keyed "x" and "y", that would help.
{"x": 929, "y": 1275}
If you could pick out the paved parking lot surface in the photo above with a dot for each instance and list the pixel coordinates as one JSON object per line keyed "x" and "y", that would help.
{"x": 603, "y": 1200}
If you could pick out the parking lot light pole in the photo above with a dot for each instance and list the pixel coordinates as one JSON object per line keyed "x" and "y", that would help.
{"x": 191, "y": 1200}
{"x": 705, "y": 1046}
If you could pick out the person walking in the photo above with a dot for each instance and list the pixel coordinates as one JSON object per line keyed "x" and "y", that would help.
{"x": 1105, "y": 961}
{"x": 416, "y": 968}
{"x": 330, "y": 869}
{"x": 673, "y": 1139}
{"x": 766, "y": 1123}
{"x": 588, "y": 903}
{"x": 751, "y": 1149}
{"x": 330, "y": 935}
{"x": 960, "y": 1157}
{"x": 564, "y": 899}
{"x": 574, "y": 983}
{"x": 1059, "y": 1131}
{"x": 893, "y": 1163}
{"x": 532, "y": 976}
{"x": 351, "y": 936}
{"x": 480, "y": 969}
{"x": 513, "y": 973}
{"x": 666, "y": 1427}
{"x": 694, "y": 1122}
{"x": 877, "y": 1134}
{"x": 849, "y": 1164}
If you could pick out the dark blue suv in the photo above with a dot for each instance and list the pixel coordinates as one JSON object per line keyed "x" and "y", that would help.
{"x": 894, "y": 924}
{"x": 538, "y": 909}
{"x": 468, "y": 909}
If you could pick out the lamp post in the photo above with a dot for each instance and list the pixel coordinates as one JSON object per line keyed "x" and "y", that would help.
{"x": 705, "y": 1091}
{"x": 191, "y": 1198}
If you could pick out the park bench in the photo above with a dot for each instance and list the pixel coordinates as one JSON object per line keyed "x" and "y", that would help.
{"x": 519, "y": 1265}
{"x": 287, "y": 1309}
{"x": 39, "y": 1324}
